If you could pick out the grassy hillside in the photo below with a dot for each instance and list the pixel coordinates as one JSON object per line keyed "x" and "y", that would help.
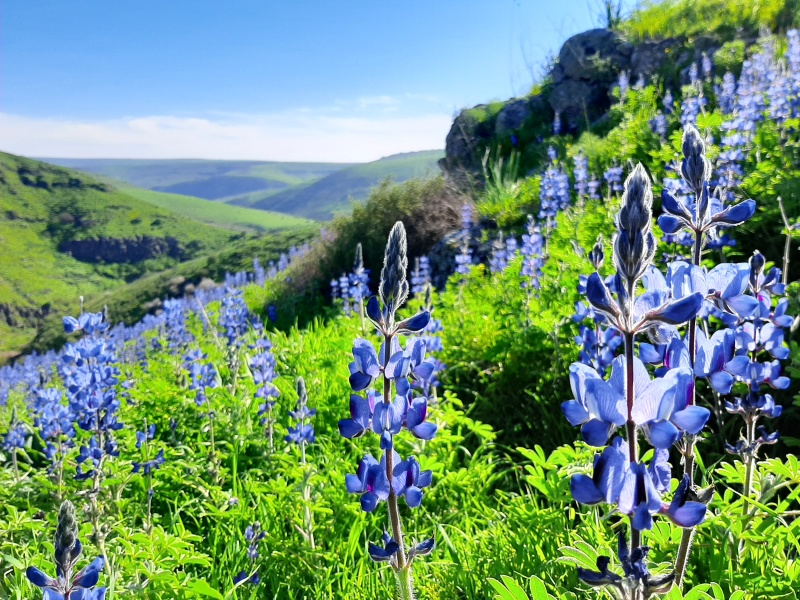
{"x": 331, "y": 195}
{"x": 209, "y": 179}
{"x": 44, "y": 207}
{"x": 215, "y": 213}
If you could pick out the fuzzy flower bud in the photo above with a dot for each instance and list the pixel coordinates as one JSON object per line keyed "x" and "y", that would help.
{"x": 597, "y": 254}
{"x": 66, "y": 536}
{"x": 393, "y": 286}
{"x": 302, "y": 394}
{"x": 695, "y": 168}
{"x": 634, "y": 244}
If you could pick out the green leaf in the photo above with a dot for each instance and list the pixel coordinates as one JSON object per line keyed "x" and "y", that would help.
{"x": 202, "y": 588}
{"x": 508, "y": 590}
{"x": 538, "y": 589}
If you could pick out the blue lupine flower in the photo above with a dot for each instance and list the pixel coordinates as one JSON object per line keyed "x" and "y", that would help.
{"x": 234, "y": 316}
{"x": 360, "y": 420}
{"x": 370, "y": 482}
{"x": 668, "y": 102}
{"x": 638, "y": 497}
{"x": 613, "y": 177}
{"x": 663, "y": 408}
{"x": 16, "y": 437}
{"x": 607, "y": 478}
{"x": 421, "y": 276}
{"x": 387, "y": 415}
{"x": 659, "y": 125}
{"x": 252, "y": 535}
{"x": 499, "y": 259}
{"x": 386, "y": 552}
{"x": 598, "y": 407}
{"x": 303, "y": 434}
{"x": 683, "y": 512}
{"x": 150, "y": 465}
{"x": 414, "y": 480}
{"x": 532, "y": 255}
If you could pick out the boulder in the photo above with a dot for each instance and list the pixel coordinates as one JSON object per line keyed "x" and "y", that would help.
{"x": 596, "y": 55}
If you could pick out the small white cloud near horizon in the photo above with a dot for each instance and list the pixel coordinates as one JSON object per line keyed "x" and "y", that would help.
{"x": 296, "y": 136}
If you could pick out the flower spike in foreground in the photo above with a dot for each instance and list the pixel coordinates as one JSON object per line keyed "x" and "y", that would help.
{"x": 69, "y": 586}
{"x": 390, "y": 409}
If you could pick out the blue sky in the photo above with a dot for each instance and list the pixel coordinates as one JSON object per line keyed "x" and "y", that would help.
{"x": 263, "y": 79}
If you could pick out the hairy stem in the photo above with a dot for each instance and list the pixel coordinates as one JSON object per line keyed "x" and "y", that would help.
{"x": 405, "y": 584}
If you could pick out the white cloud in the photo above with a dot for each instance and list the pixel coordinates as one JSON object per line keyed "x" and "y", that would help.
{"x": 292, "y": 136}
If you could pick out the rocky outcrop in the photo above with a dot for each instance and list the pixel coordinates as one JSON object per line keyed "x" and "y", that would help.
{"x": 114, "y": 250}
{"x": 466, "y": 143}
{"x": 579, "y": 88}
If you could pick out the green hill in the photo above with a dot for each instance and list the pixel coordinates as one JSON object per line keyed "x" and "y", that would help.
{"x": 208, "y": 179}
{"x": 219, "y": 214}
{"x": 64, "y": 234}
{"x": 332, "y": 195}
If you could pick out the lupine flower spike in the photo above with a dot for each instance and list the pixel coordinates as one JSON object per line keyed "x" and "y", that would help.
{"x": 658, "y": 408}
{"x": 387, "y": 412}
{"x": 303, "y": 435}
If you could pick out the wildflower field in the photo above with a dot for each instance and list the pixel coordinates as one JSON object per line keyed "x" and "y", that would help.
{"x": 595, "y": 400}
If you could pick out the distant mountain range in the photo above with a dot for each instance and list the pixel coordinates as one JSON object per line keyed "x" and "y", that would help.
{"x": 312, "y": 190}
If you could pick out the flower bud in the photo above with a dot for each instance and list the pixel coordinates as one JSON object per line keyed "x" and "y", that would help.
{"x": 393, "y": 286}
{"x": 695, "y": 169}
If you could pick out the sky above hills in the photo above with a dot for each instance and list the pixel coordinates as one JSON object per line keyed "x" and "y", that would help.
{"x": 342, "y": 81}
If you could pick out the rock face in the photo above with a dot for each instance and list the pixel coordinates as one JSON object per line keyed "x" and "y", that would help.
{"x": 113, "y": 250}
{"x": 465, "y": 146}
{"x": 588, "y": 65}
{"x": 579, "y": 90}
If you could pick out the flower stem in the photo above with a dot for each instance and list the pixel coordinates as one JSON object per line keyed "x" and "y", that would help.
{"x": 630, "y": 426}
{"x": 404, "y": 584}
{"x": 750, "y": 459}
{"x": 688, "y": 451}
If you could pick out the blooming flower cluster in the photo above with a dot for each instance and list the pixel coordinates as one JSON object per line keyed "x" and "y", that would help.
{"x": 421, "y": 276}
{"x": 387, "y": 412}
{"x": 665, "y": 409}
{"x": 302, "y": 433}
{"x": 252, "y": 535}
{"x": 554, "y": 191}
{"x": 90, "y": 377}
{"x": 202, "y": 375}
{"x": 235, "y": 317}
{"x": 532, "y": 256}
{"x": 262, "y": 367}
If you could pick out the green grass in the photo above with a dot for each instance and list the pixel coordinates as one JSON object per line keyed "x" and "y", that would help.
{"x": 332, "y": 195}
{"x": 719, "y": 18}
{"x": 221, "y": 215}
